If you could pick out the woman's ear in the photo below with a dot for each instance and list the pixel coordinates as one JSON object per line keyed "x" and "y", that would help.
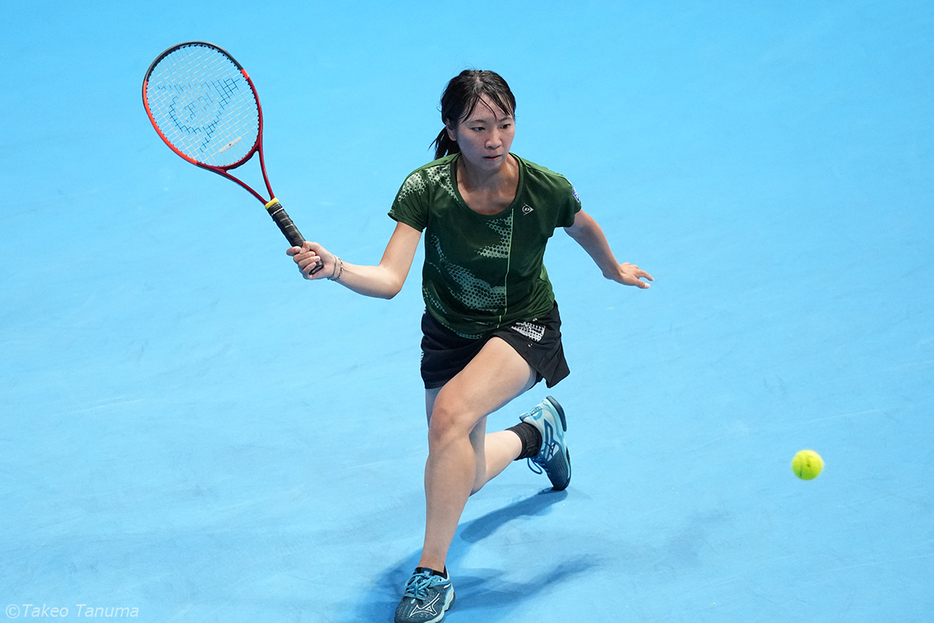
{"x": 451, "y": 133}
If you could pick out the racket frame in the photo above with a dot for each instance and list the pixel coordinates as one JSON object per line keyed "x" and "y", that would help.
{"x": 257, "y": 144}
{"x": 273, "y": 207}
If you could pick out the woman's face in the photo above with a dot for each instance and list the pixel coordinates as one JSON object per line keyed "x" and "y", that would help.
{"x": 485, "y": 135}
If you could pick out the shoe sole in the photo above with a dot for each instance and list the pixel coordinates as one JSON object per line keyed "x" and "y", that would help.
{"x": 447, "y": 606}
{"x": 554, "y": 403}
{"x": 564, "y": 426}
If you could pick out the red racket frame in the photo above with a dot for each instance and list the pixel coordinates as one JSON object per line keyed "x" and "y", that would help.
{"x": 257, "y": 145}
{"x": 273, "y": 207}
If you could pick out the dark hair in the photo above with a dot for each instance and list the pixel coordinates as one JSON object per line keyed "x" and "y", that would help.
{"x": 462, "y": 94}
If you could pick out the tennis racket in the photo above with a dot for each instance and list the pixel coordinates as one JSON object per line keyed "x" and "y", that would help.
{"x": 204, "y": 106}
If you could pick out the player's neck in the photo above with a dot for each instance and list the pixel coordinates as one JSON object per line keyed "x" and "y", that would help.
{"x": 478, "y": 179}
{"x": 488, "y": 192}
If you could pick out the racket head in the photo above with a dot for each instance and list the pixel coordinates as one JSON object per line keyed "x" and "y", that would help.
{"x": 203, "y": 105}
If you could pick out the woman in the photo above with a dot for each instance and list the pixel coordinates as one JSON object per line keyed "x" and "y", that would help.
{"x": 491, "y": 326}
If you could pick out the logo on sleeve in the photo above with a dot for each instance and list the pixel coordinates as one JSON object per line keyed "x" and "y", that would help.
{"x": 574, "y": 192}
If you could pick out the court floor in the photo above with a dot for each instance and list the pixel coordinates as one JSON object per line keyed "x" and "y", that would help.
{"x": 191, "y": 432}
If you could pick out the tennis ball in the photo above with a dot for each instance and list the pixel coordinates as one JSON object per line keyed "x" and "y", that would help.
{"x": 807, "y": 464}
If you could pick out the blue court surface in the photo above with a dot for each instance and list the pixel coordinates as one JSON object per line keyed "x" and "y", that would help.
{"x": 191, "y": 432}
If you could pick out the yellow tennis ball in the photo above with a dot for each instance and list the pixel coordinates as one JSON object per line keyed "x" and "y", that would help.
{"x": 807, "y": 465}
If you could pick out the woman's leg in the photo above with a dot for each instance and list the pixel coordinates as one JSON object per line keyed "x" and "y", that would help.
{"x": 493, "y": 451}
{"x": 461, "y": 457}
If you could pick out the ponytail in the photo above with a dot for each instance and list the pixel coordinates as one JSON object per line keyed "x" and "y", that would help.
{"x": 444, "y": 145}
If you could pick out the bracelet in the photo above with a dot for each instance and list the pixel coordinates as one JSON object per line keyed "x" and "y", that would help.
{"x": 338, "y": 273}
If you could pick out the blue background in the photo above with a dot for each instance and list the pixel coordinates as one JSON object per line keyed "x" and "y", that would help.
{"x": 190, "y": 429}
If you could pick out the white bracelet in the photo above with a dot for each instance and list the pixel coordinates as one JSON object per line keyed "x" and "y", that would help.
{"x": 337, "y": 273}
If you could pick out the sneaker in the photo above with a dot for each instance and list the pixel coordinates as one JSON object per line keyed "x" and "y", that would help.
{"x": 554, "y": 458}
{"x": 427, "y": 597}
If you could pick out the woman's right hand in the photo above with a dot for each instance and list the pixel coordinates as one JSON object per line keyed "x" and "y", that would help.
{"x": 307, "y": 257}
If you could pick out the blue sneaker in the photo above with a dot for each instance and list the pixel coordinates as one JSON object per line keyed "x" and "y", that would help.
{"x": 427, "y": 597}
{"x": 554, "y": 458}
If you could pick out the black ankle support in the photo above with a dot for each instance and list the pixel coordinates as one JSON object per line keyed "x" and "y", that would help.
{"x": 530, "y": 437}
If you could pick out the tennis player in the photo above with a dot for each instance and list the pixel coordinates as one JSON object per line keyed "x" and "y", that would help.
{"x": 491, "y": 324}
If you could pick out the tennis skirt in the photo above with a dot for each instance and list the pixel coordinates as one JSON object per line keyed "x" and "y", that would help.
{"x": 445, "y": 354}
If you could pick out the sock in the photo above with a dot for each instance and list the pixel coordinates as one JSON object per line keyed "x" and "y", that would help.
{"x": 531, "y": 439}
{"x": 440, "y": 574}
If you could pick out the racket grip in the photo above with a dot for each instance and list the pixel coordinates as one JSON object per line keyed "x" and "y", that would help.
{"x": 288, "y": 228}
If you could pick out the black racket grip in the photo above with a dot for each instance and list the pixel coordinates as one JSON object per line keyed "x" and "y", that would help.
{"x": 288, "y": 228}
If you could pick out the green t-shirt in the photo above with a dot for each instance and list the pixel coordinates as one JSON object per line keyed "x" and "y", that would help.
{"x": 484, "y": 271}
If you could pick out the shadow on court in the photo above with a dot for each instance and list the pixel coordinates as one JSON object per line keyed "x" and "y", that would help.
{"x": 476, "y": 589}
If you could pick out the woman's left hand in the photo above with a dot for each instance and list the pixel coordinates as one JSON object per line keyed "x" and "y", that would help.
{"x": 591, "y": 238}
{"x": 631, "y": 275}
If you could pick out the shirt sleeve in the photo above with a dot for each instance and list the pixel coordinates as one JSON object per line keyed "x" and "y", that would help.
{"x": 411, "y": 203}
{"x": 572, "y": 205}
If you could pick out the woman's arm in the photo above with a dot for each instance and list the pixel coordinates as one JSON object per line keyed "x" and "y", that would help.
{"x": 588, "y": 234}
{"x": 382, "y": 281}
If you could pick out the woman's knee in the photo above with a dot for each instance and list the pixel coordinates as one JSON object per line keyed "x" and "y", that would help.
{"x": 448, "y": 419}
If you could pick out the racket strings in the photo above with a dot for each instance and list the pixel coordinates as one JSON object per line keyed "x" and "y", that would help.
{"x": 204, "y": 106}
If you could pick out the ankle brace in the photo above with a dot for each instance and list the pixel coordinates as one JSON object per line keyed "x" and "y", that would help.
{"x": 531, "y": 440}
